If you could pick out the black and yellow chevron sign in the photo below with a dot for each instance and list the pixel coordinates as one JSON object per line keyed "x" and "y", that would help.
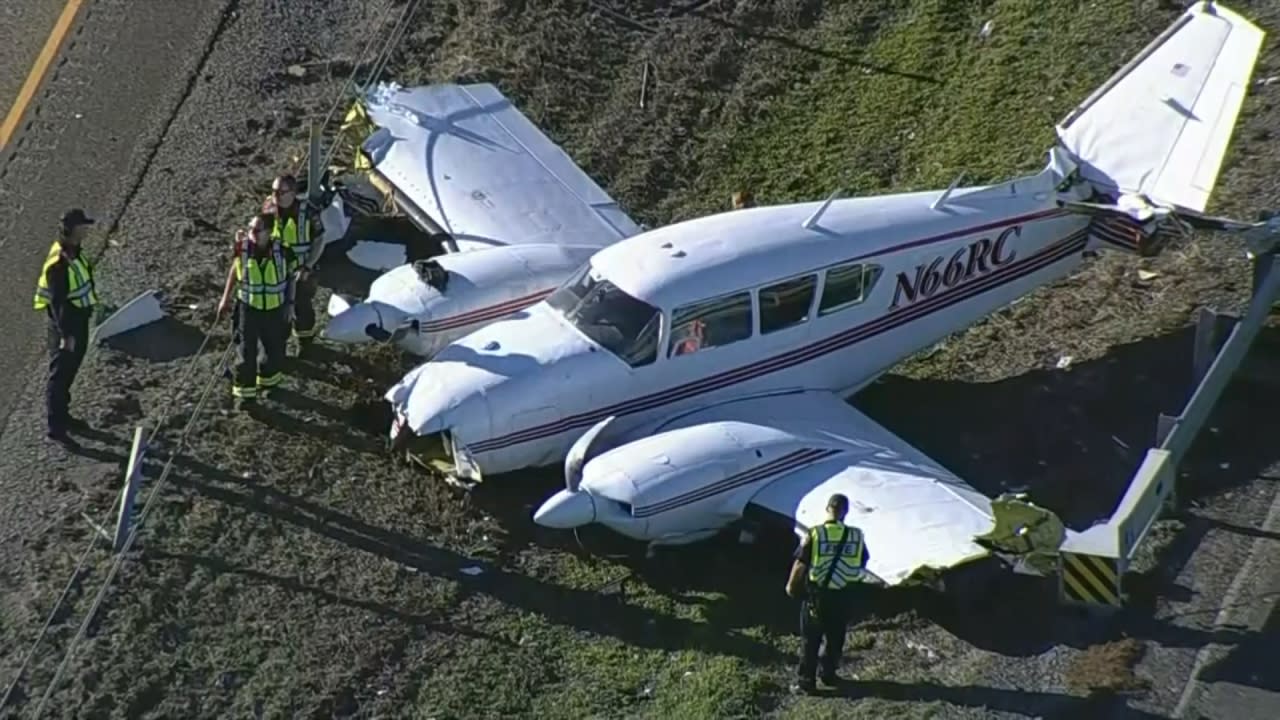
{"x": 1091, "y": 579}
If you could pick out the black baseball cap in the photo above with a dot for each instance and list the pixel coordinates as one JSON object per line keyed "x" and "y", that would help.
{"x": 74, "y": 217}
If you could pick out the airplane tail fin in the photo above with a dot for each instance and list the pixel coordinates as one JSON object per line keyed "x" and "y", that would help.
{"x": 1156, "y": 132}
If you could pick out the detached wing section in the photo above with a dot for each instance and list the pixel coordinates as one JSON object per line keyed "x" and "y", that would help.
{"x": 464, "y": 159}
{"x": 1161, "y": 125}
{"x": 914, "y": 513}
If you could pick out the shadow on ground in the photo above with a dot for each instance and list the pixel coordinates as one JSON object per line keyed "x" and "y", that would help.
{"x": 1251, "y": 662}
{"x": 581, "y": 609}
{"x": 336, "y": 272}
{"x": 164, "y": 340}
{"x": 1073, "y": 438}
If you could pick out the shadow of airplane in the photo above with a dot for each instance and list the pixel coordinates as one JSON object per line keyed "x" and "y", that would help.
{"x": 1045, "y": 419}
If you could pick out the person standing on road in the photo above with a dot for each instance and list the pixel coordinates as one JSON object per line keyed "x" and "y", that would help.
{"x": 261, "y": 272}
{"x": 282, "y": 206}
{"x": 835, "y": 556}
{"x": 66, "y": 293}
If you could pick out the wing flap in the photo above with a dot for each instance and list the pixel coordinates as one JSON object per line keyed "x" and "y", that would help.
{"x": 1161, "y": 126}
{"x": 482, "y": 171}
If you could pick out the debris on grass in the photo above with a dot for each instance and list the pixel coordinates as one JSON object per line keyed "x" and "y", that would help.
{"x": 1107, "y": 668}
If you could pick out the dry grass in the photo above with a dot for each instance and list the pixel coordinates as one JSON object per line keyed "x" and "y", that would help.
{"x": 1107, "y": 668}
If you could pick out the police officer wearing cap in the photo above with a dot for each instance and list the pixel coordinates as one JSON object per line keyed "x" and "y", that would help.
{"x": 835, "y": 555}
{"x": 66, "y": 293}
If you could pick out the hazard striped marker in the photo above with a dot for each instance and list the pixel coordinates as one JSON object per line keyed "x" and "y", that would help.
{"x": 1091, "y": 580}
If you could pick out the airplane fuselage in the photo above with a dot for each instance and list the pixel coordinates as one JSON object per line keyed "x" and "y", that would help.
{"x": 518, "y": 393}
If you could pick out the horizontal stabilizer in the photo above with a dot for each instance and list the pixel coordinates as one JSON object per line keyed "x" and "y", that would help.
{"x": 1160, "y": 126}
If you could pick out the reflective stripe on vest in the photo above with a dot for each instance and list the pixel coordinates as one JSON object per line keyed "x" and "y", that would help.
{"x": 80, "y": 289}
{"x": 267, "y": 281}
{"x": 825, "y": 539}
{"x": 290, "y": 237}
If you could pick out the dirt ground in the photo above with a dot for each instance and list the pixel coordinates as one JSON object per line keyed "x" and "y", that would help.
{"x": 292, "y": 569}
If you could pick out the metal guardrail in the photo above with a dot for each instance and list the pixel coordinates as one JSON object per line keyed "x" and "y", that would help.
{"x": 1152, "y": 490}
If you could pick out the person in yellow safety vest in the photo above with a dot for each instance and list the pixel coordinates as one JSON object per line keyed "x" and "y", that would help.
{"x": 65, "y": 291}
{"x": 283, "y": 207}
{"x": 835, "y": 557}
{"x": 261, "y": 273}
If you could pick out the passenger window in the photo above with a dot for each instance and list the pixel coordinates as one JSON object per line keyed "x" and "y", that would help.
{"x": 787, "y": 303}
{"x": 846, "y": 286}
{"x": 710, "y": 323}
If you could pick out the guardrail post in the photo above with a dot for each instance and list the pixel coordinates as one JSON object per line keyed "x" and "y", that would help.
{"x": 132, "y": 484}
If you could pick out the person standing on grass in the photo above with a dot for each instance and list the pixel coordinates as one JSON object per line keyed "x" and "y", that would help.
{"x": 836, "y": 557}
{"x": 262, "y": 274}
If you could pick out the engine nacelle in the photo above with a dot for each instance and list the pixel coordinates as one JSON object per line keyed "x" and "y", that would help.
{"x": 425, "y": 305}
{"x": 680, "y": 484}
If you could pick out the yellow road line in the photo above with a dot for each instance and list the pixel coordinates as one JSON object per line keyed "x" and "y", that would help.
{"x": 38, "y": 70}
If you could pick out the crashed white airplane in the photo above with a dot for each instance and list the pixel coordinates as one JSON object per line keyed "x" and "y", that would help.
{"x": 705, "y": 360}
{"x": 517, "y": 216}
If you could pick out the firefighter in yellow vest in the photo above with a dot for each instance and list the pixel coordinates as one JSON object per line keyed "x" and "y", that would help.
{"x": 282, "y": 207}
{"x": 835, "y": 556}
{"x": 66, "y": 293}
{"x": 261, "y": 274}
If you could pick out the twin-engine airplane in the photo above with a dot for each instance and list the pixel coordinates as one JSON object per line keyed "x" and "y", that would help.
{"x": 688, "y": 373}
{"x": 516, "y": 215}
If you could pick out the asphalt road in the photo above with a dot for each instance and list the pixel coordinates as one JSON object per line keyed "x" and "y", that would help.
{"x": 93, "y": 128}
{"x": 24, "y": 25}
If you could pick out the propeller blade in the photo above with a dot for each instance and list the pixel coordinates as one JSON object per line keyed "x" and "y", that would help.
{"x": 584, "y": 448}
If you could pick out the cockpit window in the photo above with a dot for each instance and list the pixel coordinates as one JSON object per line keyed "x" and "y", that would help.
{"x": 619, "y": 323}
{"x": 710, "y": 323}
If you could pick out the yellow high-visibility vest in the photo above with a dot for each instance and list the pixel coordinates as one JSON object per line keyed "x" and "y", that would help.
{"x": 286, "y": 232}
{"x": 80, "y": 290}
{"x": 268, "y": 279}
{"x": 824, "y": 541}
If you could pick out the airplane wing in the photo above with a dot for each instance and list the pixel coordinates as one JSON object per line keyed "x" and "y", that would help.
{"x": 463, "y": 159}
{"x": 914, "y": 513}
{"x": 1161, "y": 125}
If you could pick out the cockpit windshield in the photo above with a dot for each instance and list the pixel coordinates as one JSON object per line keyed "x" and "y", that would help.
{"x": 619, "y": 323}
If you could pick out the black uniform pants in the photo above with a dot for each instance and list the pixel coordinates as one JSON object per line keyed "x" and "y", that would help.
{"x": 270, "y": 328}
{"x": 304, "y": 320}
{"x": 64, "y": 365}
{"x": 824, "y": 615}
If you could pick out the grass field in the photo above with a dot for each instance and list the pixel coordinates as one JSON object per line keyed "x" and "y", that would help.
{"x": 323, "y": 579}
